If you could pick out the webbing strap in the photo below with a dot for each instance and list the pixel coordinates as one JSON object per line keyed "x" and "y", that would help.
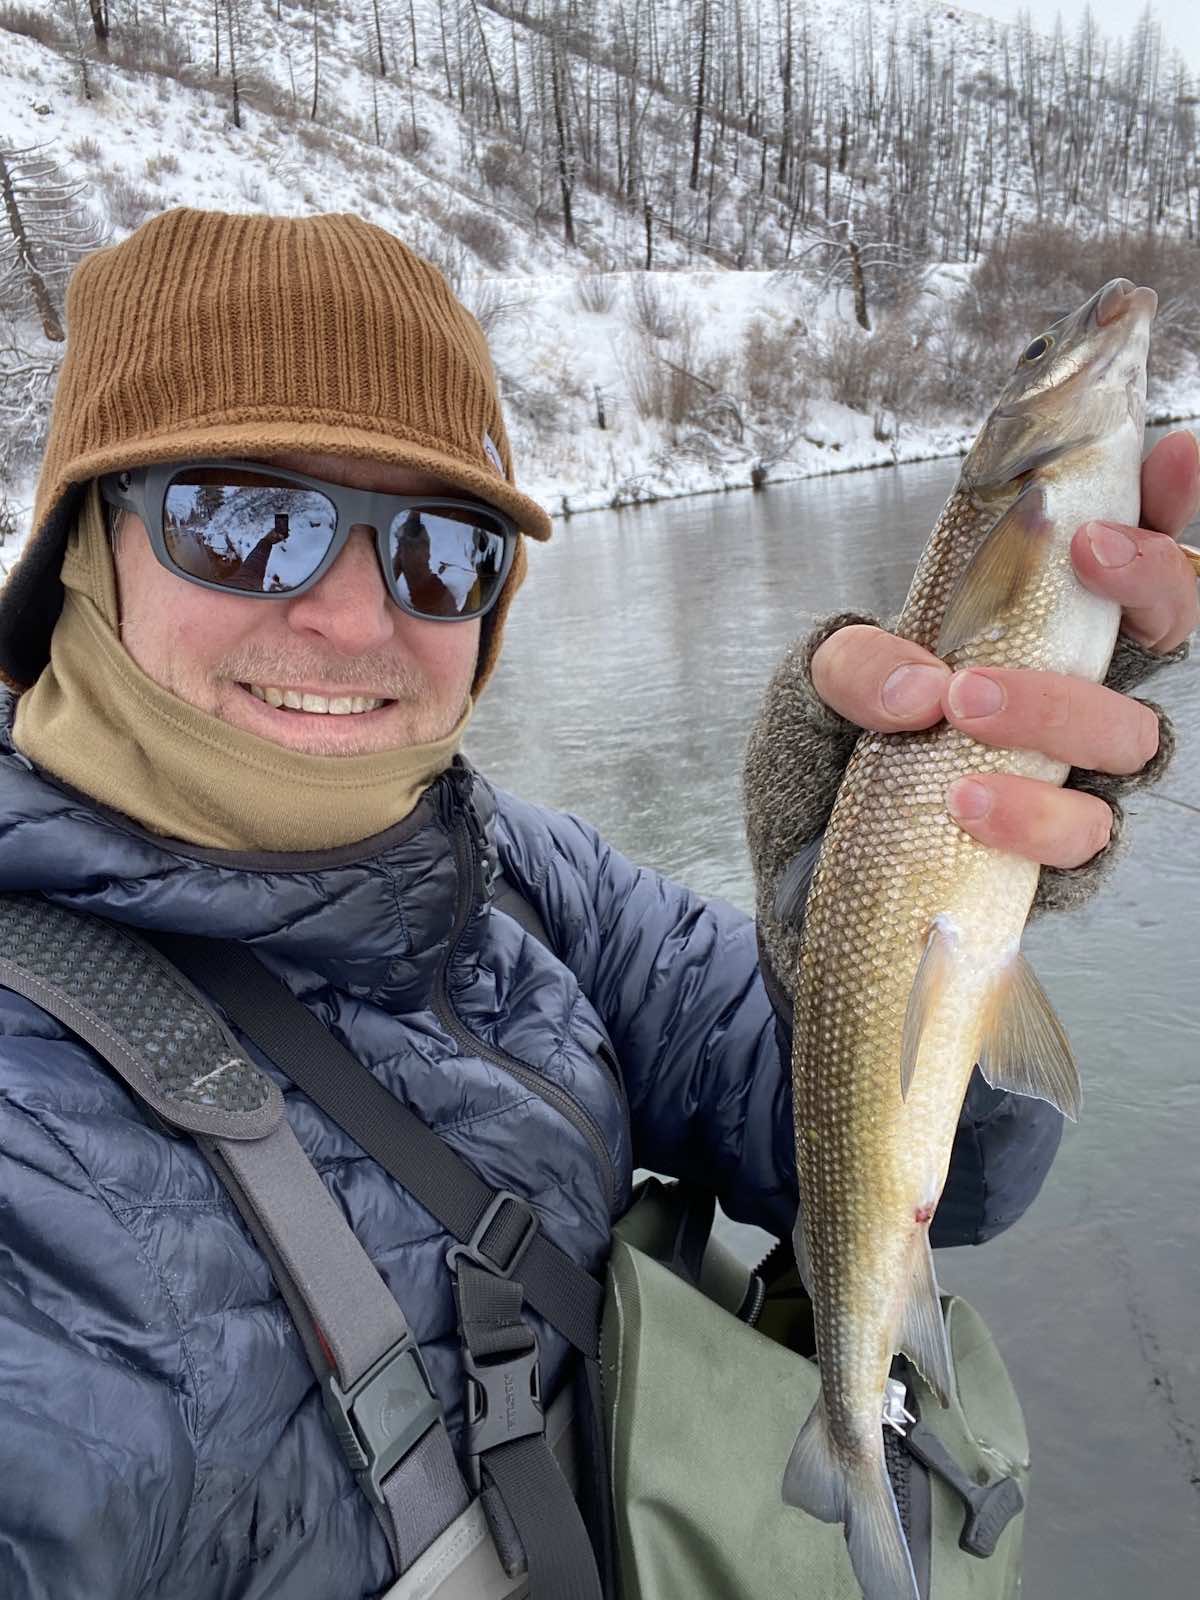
{"x": 379, "y": 1397}
{"x": 287, "y": 1033}
{"x": 507, "y": 1439}
{"x": 330, "y": 1272}
{"x": 561, "y": 1562}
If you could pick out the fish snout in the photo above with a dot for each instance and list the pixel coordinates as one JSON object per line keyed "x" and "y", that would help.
{"x": 1118, "y": 298}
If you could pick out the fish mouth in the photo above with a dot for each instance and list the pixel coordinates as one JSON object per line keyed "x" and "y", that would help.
{"x": 1119, "y": 298}
{"x": 1120, "y": 301}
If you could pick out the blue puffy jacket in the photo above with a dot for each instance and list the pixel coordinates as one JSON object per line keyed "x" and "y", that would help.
{"x": 161, "y": 1433}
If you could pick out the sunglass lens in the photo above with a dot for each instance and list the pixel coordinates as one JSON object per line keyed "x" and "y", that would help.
{"x": 244, "y": 531}
{"x": 447, "y": 562}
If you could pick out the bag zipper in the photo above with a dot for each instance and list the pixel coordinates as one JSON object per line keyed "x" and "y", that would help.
{"x": 475, "y": 876}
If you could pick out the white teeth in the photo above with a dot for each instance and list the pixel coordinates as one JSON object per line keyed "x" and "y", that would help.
{"x": 339, "y": 706}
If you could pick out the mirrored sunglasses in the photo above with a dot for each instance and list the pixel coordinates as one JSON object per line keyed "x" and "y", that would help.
{"x": 270, "y": 534}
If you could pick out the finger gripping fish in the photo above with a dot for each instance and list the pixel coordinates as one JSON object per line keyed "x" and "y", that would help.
{"x": 909, "y": 969}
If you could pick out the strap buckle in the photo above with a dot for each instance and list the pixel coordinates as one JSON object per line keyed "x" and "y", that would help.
{"x": 474, "y": 1249}
{"x": 504, "y": 1402}
{"x": 383, "y": 1416}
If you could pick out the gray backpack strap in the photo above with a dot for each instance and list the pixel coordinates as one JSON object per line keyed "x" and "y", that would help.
{"x": 158, "y": 1033}
{"x": 509, "y": 899}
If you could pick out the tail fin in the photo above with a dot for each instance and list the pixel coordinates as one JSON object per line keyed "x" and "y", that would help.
{"x": 858, "y": 1495}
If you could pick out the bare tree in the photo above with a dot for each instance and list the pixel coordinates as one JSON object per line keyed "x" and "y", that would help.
{"x": 316, "y": 46}
{"x": 379, "y": 44}
{"x": 47, "y": 229}
{"x": 27, "y": 380}
{"x": 99, "y": 11}
{"x": 562, "y": 136}
{"x": 698, "y": 103}
{"x": 232, "y": 17}
{"x": 73, "y": 11}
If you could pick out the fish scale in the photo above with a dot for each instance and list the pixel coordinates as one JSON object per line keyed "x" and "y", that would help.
{"x": 908, "y": 969}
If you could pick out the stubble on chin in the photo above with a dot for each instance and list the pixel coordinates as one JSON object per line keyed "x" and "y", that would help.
{"x": 416, "y": 716}
{"x": 419, "y": 713}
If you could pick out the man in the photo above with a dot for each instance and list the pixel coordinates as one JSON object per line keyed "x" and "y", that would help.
{"x": 278, "y": 765}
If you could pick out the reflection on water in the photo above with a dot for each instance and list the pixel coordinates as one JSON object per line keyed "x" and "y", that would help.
{"x": 633, "y": 663}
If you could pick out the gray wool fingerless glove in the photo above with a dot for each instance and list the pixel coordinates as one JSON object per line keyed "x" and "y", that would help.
{"x": 798, "y": 751}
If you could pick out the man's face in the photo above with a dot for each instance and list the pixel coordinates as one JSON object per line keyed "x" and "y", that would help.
{"x": 345, "y": 639}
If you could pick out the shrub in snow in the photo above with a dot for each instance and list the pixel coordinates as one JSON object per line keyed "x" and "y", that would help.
{"x": 596, "y": 292}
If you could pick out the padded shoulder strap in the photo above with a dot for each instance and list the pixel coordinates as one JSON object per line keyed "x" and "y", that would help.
{"x": 162, "y": 1038}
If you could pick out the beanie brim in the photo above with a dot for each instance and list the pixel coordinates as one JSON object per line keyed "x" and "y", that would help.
{"x": 31, "y": 599}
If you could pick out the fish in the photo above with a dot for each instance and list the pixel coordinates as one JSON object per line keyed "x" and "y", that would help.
{"x": 909, "y": 963}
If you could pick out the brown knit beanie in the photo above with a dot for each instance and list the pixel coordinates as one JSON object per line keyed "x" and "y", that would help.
{"x": 207, "y": 335}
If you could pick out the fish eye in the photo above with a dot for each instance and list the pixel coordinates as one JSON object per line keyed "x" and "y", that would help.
{"x": 1038, "y": 348}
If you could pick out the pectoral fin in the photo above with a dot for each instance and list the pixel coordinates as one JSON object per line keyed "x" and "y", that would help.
{"x": 927, "y": 989}
{"x": 1025, "y": 1047}
{"x": 1006, "y": 561}
{"x": 791, "y": 892}
{"x": 923, "y": 1332}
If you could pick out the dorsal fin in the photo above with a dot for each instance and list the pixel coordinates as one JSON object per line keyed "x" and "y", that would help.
{"x": 1025, "y": 1047}
{"x": 995, "y": 575}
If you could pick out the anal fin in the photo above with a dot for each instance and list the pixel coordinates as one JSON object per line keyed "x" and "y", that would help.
{"x": 923, "y": 1331}
{"x": 1025, "y": 1048}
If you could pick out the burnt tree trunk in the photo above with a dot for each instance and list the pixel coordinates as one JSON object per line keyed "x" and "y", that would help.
{"x": 51, "y": 322}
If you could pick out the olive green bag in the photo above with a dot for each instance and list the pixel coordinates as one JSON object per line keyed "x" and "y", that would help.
{"x": 702, "y": 1410}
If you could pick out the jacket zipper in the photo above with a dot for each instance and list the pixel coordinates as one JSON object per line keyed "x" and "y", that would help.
{"x": 471, "y": 864}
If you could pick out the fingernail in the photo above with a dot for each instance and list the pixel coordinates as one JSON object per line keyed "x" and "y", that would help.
{"x": 910, "y": 691}
{"x": 1110, "y": 546}
{"x": 969, "y": 801}
{"x": 974, "y": 695}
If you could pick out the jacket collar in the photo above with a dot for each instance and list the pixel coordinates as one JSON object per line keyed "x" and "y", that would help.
{"x": 372, "y": 918}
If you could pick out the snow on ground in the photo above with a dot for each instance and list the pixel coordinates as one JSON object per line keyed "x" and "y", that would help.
{"x": 580, "y": 466}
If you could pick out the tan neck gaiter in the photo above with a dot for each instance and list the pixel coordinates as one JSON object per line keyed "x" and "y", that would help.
{"x": 95, "y": 720}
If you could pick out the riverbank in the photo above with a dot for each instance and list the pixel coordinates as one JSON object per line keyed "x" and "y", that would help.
{"x": 839, "y": 444}
{"x": 627, "y": 388}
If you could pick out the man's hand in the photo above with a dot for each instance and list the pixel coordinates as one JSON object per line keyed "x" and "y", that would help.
{"x": 878, "y": 681}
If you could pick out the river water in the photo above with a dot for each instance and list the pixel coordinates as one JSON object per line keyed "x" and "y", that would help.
{"x": 633, "y": 664}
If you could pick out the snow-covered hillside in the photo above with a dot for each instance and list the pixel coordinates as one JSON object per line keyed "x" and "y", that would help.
{"x": 715, "y": 368}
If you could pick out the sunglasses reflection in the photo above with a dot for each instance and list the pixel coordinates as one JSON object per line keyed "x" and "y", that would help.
{"x": 271, "y": 539}
{"x": 213, "y": 533}
{"x": 413, "y": 572}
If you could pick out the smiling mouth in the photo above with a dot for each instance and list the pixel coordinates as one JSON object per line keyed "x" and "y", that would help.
{"x": 345, "y": 705}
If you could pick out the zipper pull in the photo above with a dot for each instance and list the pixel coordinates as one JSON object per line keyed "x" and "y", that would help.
{"x": 483, "y": 850}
